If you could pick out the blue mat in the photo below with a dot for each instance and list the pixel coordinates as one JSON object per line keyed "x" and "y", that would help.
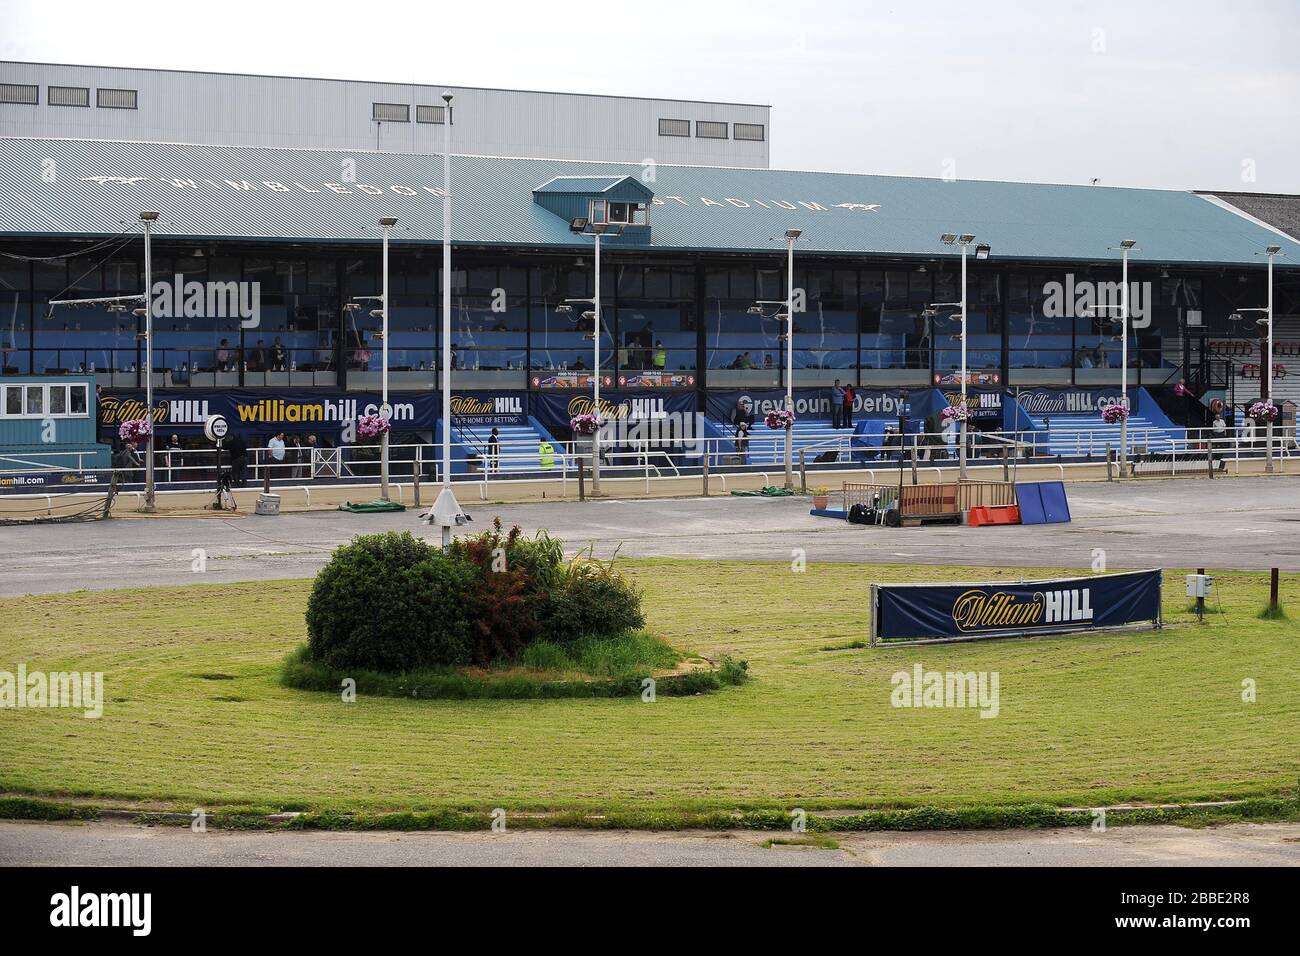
{"x": 829, "y": 513}
{"x": 1043, "y": 502}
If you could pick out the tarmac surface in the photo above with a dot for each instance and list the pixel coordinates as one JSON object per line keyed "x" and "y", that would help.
{"x": 1238, "y": 523}
{"x": 125, "y": 844}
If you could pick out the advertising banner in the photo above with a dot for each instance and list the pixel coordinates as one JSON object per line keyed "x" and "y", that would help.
{"x": 1068, "y": 401}
{"x": 964, "y": 611}
{"x": 808, "y": 402}
{"x": 554, "y": 410}
{"x": 249, "y": 411}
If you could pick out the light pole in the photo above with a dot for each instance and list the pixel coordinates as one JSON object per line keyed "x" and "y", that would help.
{"x": 1126, "y": 246}
{"x": 446, "y": 511}
{"x": 1267, "y": 377}
{"x": 791, "y": 237}
{"x": 148, "y": 218}
{"x": 585, "y": 227}
{"x": 385, "y": 410}
{"x": 981, "y": 252}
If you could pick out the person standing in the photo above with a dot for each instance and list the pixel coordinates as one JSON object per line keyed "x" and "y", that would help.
{"x": 174, "y": 459}
{"x": 276, "y": 448}
{"x": 493, "y": 451}
{"x": 846, "y": 415}
{"x": 546, "y": 453}
{"x": 238, "y": 459}
{"x": 837, "y": 404}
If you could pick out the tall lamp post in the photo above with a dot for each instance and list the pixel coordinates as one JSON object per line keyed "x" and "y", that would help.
{"x": 982, "y": 251}
{"x": 385, "y": 410}
{"x": 1266, "y": 319}
{"x": 791, "y": 237}
{"x": 148, "y": 218}
{"x": 446, "y": 511}
{"x": 1126, "y": 246}
{"x": 583, "y": 226}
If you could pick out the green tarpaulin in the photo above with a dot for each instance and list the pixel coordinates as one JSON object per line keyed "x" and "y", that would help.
{"x": 366, "y": 507}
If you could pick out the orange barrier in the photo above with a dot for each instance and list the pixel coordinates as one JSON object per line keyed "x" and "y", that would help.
{"x": 978, "y": 517}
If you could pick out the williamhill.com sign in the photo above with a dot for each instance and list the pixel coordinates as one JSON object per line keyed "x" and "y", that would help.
{"x": 964, "y": 611}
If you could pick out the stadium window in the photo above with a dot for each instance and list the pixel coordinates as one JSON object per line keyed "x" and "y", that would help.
{"x": 68, "y": 96}
{"x": 117, "y": 99}
{"x": 709, "y": 130}
{"x": 20, "y": 93}
{"x": 626, "y": 213}
{"x": 674, "y": 127}
{"x": 749, "y": 131}
{"x": 390, "y": 112}
{"x": 431, "y": 114}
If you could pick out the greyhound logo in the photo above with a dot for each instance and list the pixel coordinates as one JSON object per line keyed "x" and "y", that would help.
{"x": 120, "y": 180}
{"x": 864, "y": 206}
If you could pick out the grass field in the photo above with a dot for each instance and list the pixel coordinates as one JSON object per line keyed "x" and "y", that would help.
{"x": 195, "y": 715}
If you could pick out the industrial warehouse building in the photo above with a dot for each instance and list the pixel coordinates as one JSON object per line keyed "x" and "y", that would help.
{"x": 698, "y": 246}
{"x": 180, "y": 106}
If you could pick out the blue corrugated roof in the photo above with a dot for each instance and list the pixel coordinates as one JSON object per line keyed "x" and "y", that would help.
{"x": 64, "y": 187}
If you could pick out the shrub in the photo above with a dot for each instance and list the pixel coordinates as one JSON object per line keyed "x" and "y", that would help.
{"x": 591, "y": 599}
{"x": 390, "y": 602}
{"x": 506, "y": 601}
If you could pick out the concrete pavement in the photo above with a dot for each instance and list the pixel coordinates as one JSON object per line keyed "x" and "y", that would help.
{"x": 123, "y": 844}
{"x": 1239, "y": 523}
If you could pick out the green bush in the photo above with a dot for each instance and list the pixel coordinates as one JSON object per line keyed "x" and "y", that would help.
{"x": 591, "y": 599}
{"x": 393, "y": 603}
{"x": 390, "y": 602}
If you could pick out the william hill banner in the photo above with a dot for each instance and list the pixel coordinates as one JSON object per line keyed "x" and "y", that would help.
{"x": 937, "y": 612}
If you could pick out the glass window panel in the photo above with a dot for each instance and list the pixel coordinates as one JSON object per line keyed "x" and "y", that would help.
{"x": 77, "y": 399}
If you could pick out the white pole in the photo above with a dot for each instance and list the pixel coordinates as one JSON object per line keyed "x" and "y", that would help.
{"x": 1123, "y": 372}
{"x": 595, "y": 364}
{"x": 789, "y": 361}
{"x": 1268, "y": 374}
{"x": 962, "y": 420}
{"x": 149, "y": 496}
{"x": 383, "y": 439}
{"x": 446, "y": 306}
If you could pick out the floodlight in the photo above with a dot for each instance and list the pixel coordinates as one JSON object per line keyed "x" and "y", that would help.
{"x": 1127, "y": 243}
{"x": 148, "y": 216}
{"x": 755, "y": 310}
{"x": 948, "y": 238}
{"x": 564, "y": 307}
{"x": 793, "y": 233}
{"x": 388, "y": 221}
{"x": 965, "y": 238}
{"x": 982, "y": 250}
{"x": 578, "y": 224}
{"x": 1273, "y": 250}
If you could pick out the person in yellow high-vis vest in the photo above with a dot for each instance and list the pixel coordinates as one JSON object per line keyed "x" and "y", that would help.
{"x": 546, "y": 452}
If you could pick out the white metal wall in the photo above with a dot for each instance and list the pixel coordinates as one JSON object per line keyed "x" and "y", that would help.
{"x": 177, "y": 106}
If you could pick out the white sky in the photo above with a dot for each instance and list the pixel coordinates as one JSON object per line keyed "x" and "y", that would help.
{"x": 1166, "y": 93}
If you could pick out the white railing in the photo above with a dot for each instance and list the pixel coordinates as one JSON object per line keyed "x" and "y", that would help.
{"x": 521, "y": 462}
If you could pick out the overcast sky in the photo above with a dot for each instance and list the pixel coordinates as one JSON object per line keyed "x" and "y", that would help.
{"x": 1167, "y": 93}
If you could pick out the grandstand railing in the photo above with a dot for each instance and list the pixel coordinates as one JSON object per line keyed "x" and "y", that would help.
{"x": 410, "y": 464}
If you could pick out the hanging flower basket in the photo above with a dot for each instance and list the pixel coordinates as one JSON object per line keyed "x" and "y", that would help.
{"x": 135, "y": 430}
{"x": 372, "y": 426}
{"x": 1114, "y": 414}
{"x": 1263, "y": 411}
{"x": 587, "y": 423}
{"x": 779, "y": 419}
{"x": 955, "y": 413}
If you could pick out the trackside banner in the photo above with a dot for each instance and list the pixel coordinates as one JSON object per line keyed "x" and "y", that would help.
{"x": 938, "y": 612}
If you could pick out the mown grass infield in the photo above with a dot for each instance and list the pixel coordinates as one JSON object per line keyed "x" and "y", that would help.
{"x": 196, "y": 715}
